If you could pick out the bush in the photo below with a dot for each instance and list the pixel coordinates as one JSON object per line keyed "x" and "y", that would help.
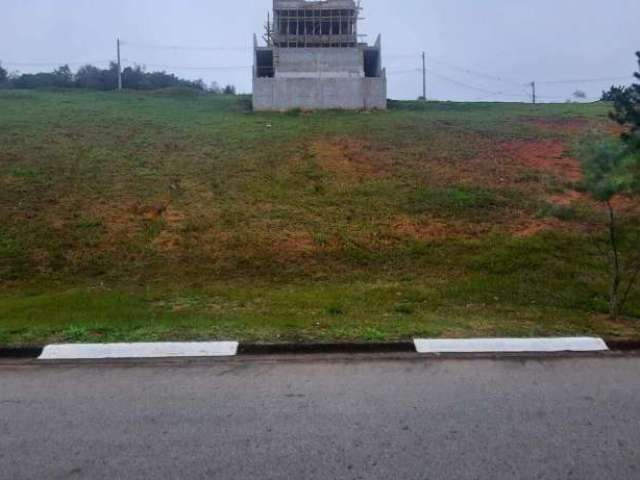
{"x": 4, "y": 75}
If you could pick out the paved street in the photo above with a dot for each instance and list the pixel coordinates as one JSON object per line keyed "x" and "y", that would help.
{"x": 322, "y": 418}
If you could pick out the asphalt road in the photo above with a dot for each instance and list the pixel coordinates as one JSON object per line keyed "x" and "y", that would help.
{"x": 319, "y": 418}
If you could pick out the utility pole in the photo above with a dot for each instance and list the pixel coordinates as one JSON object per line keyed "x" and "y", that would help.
{"x": 119, "y": 67}
{"x": 424, "y": 76}
{"x": 533, "y": 92}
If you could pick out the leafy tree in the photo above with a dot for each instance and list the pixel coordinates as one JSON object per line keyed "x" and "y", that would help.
{"x": 4, "y": 75}
{"x": 627, "y": 112}
{"x": 135, "y": 78}
{"x": 580, "y": 95}
{"x": 34, "y": 80}
{"x": 229, "y": 90}
{"x": 63, "y": 77}
{"x": 200, "y": 85}
{"x": 613, "y": 93}
{"x": 612, "y": 168}
{"x": 94, "y": 78}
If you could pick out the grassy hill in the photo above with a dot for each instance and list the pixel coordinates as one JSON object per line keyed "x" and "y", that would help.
{"x": 155, "y": 216}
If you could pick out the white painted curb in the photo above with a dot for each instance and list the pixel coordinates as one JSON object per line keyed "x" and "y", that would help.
{"x": 511, "y": 345}
{"x": 138, "y": 350}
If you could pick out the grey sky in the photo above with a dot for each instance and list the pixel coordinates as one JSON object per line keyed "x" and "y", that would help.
{"x": 515, "y": 40}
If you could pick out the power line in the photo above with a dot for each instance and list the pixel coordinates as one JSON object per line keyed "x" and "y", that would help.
{"x": 476, "y": 73}
{"x": 513, "y": 81}
{"x": 174, "y": 67}
{"x": 400, "y": 56}
{"x": 473, "y": 87}
{"x": 49, "y": 64}
{"x": 398, "y": 72}
{"x": 184, "y": 47}
{"x": 587, "y": 80}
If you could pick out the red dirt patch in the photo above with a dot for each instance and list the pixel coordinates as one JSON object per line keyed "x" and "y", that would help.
{"x": 547, "y": 156}
{"x": 532, "y": 227}
{"x": 626, "y": 204}
{"x": 351, "y": 159}
{"x": 568, "y": 198}
{"x": 432, "y": 228}
{"x": 296, "y": 243}
{"x": 149, "y": 212}
{"x": 422, "y": 230}
{"x": 167, "y": 242}
{"x": 622, "y": 203}
{"x": 173, "y": 217}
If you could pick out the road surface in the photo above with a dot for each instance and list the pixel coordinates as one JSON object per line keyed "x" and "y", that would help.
{"x": 322, "y": 418}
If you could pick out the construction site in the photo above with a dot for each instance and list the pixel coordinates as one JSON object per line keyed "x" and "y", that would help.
{"x": 312, "y": 58}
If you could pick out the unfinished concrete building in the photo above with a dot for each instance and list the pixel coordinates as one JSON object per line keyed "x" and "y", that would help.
{"x": 313, "y": 59}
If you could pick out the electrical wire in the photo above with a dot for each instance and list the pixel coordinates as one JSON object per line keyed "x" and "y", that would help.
{"x": 183, "y": 47}
{"x": 173, "y": 67}
{"x": 476, "y": 73}
{"x": 473, "y": 87}
{"x": 586, "y": 80}
{"x": 400, "y": 72}
{"x": 513, "y": 81}
{"x": 49, "y": 64}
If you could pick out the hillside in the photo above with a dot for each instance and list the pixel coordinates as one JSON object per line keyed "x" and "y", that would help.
{"x": 154, "y": 216}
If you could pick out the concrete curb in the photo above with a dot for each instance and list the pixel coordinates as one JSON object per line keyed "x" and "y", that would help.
{"x": 106, "y": 351}
{"x": 511, "y": 345}
{"x": 267, "y": 349}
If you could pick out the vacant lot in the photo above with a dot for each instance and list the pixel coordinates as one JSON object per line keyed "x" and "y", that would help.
{"x": 148, "y": 216}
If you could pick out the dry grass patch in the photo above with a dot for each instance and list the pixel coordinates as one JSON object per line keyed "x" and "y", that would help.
{"x": 550, "y": 156}
{"x": 351, "y": 159}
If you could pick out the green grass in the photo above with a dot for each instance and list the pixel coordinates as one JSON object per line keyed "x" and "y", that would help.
{"x": 148, "y": 216}
{"x": 455, "y": 201}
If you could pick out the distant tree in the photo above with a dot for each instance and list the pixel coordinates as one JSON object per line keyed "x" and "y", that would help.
{"x": 94, "y": 78}
{"x": 63, "y": 77}
{"x": 135, "y": 78}
{"x": 612, "y": 94}
{"x": 229, "y": 90}
{"x": 200, "y": 85}
{"x": 4, "y": 75}
{"x": 580, "y": 95}
{"x": 627, "y": 112}
{"x": 612, "y": 168}
{"x": 268, "y": 31}
{"x": 214, "y": 88}
{"x": 34, "y": 80}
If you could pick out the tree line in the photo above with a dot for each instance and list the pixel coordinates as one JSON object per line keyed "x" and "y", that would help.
{"x": 95, "y": 78}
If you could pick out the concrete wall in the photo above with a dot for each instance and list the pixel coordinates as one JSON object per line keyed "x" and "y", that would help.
{"x": 320, "y": 63}
{"x": 375, "y": 93}
{"x": 281, "y": 94}
{"x": 320, "y": 78}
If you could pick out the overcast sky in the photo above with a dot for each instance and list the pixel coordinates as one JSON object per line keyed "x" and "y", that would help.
{"x": 477, "y": 49}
